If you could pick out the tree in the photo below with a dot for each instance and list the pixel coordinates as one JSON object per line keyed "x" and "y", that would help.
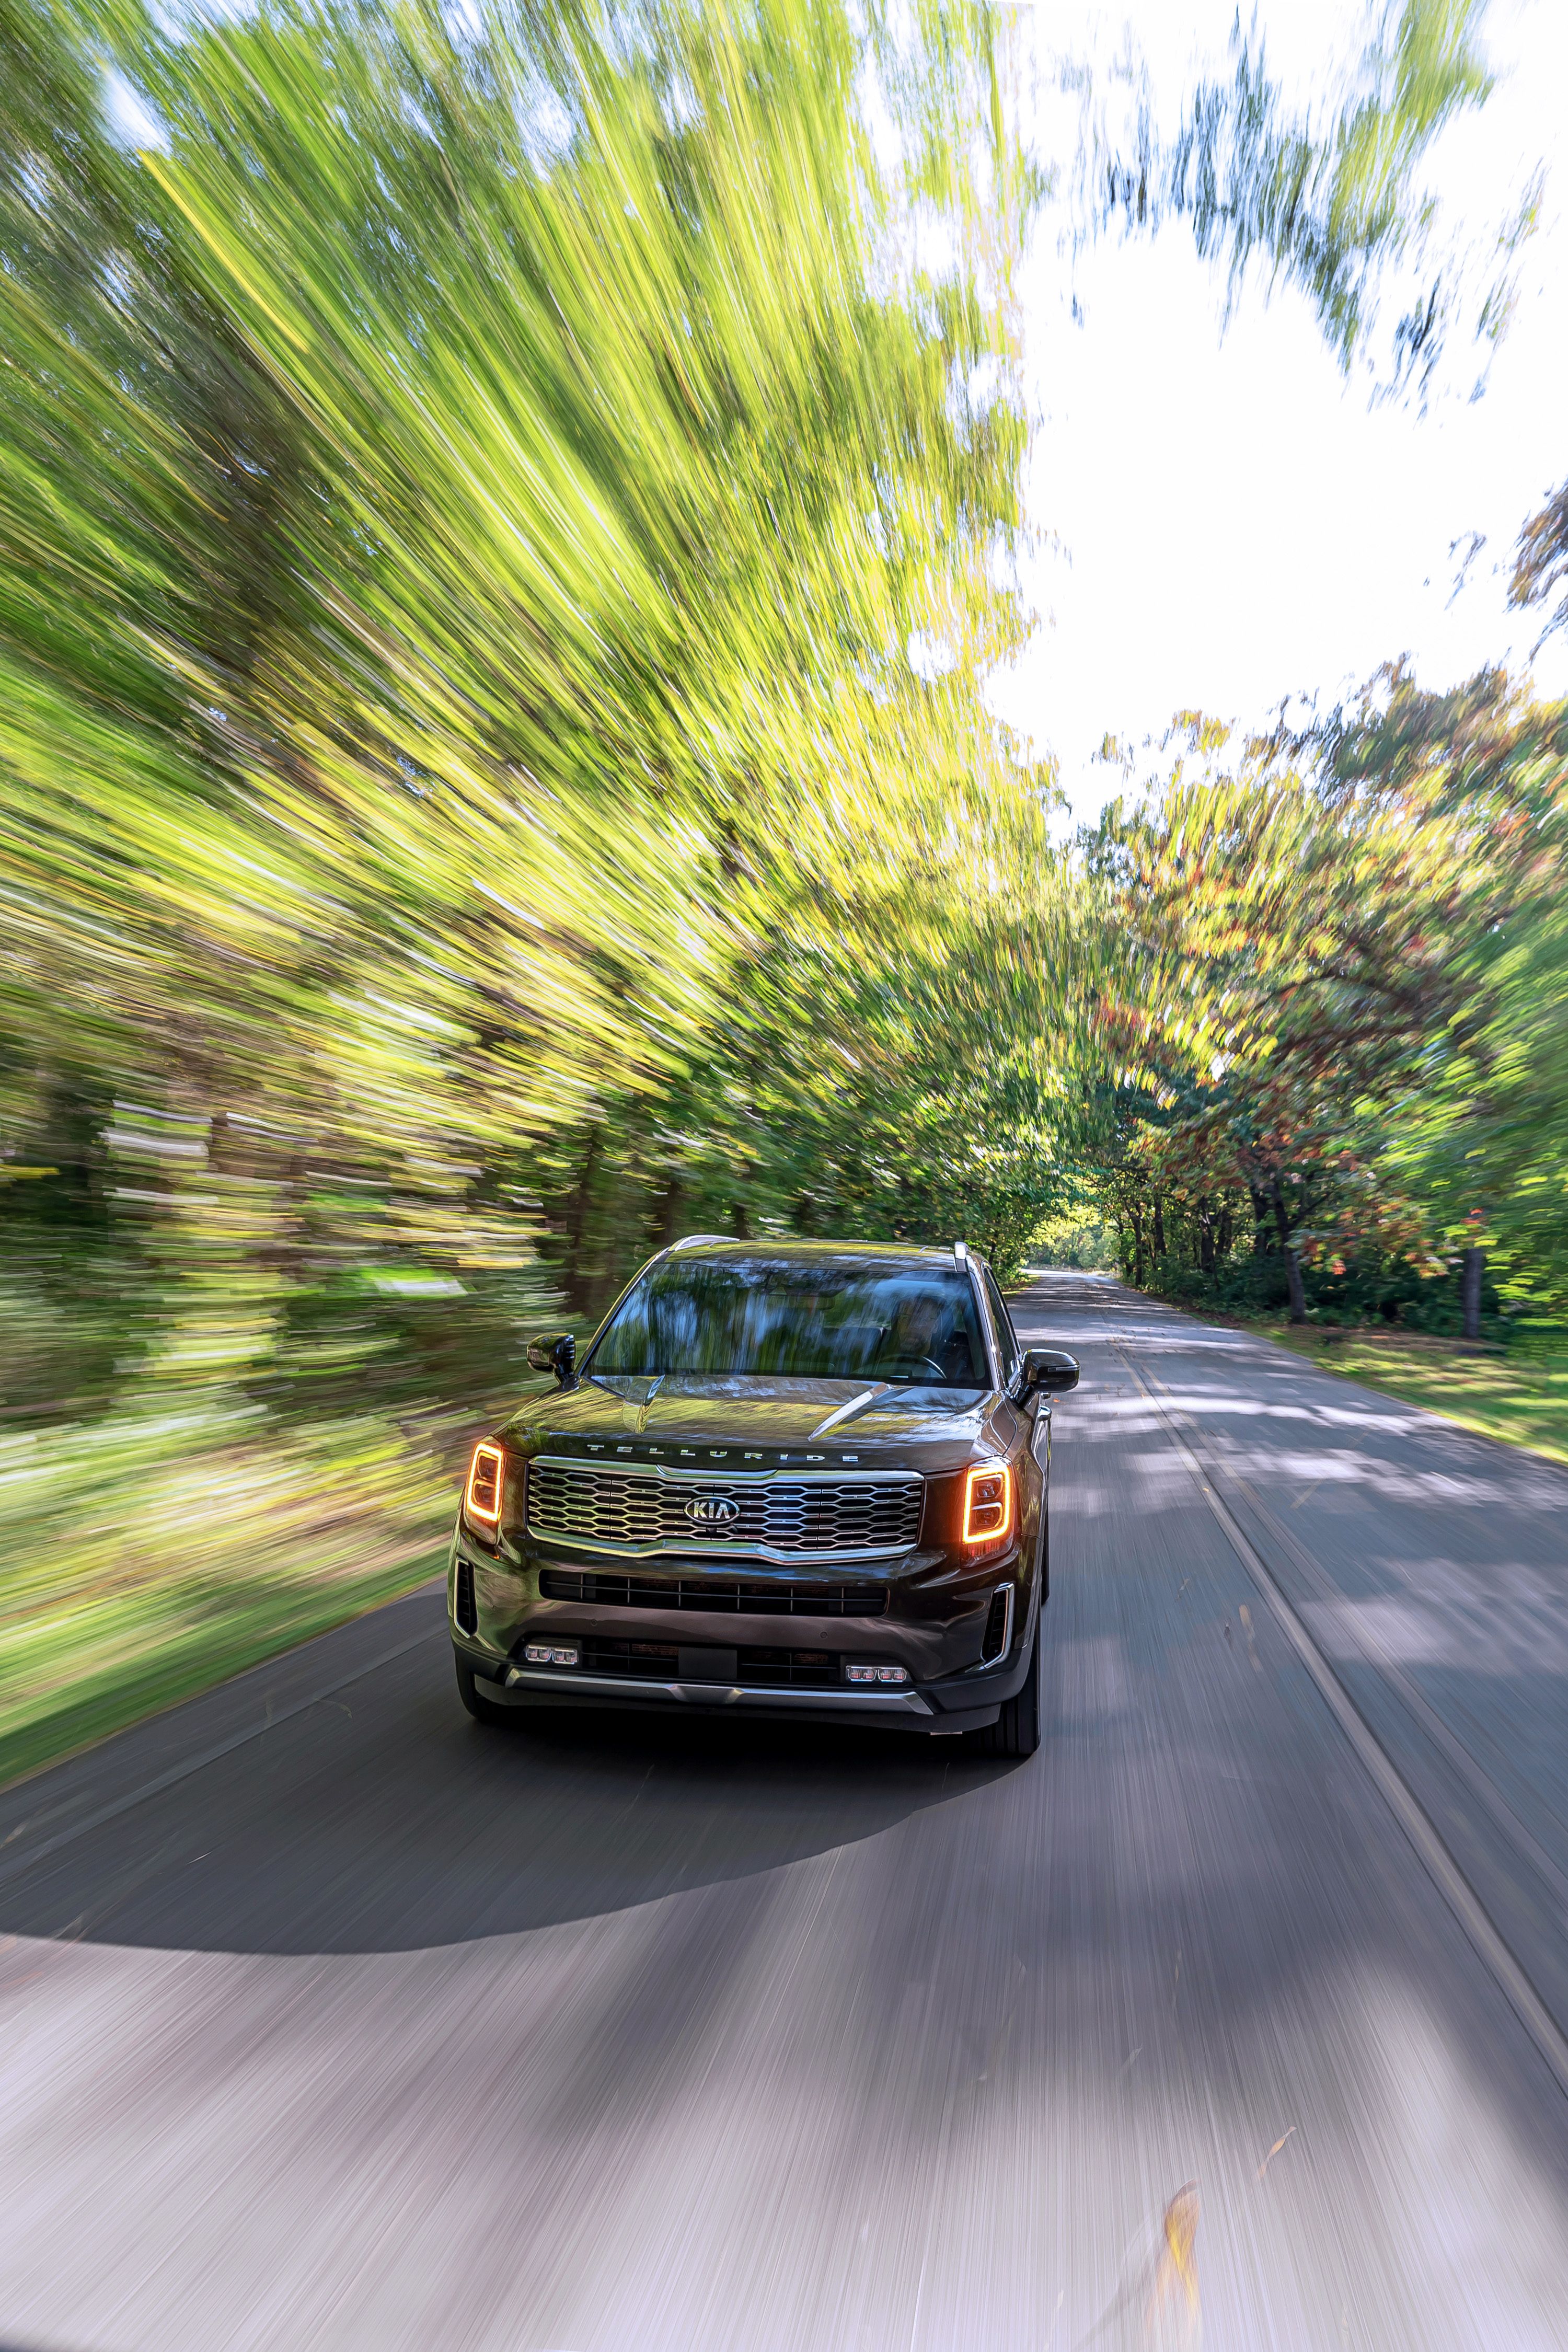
{"x": 471, "y": 490}
{"x": 1320, "y": 950}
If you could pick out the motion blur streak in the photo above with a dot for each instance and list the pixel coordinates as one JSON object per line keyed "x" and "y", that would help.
{"x": 506, "y": 516}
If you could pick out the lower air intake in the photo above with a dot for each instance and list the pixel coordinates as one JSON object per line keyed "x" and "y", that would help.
{"x": 998, "y": 1626}
{"x": 463, "y": 1607}
{"x": 660, "y": 1662}
{"x": 752, "y": 1596}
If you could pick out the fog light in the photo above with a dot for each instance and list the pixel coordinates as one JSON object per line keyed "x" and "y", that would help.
{"x": 876, "y": 1673}
{"x": 551, "y": 1654}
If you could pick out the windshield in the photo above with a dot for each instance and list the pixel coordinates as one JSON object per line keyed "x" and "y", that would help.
{"x": 826, "y": 1318}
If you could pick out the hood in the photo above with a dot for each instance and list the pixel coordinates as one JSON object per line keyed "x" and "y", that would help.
{"x": 754, "y": 1410}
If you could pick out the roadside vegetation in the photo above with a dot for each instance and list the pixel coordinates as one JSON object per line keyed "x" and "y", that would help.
{"x": 1517, "y": 1394}
{"x": 507, "y": 520}
{"x": 1342, "y": 1006}
{"x": 147, "y": 1556}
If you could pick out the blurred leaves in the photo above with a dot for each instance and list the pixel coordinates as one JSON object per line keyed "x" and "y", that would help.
{"x": 1326, "y": 197}
{"x": 471, "y": 489}
{"x": 1540, "y": 561}
{"x": 504, "y": 515}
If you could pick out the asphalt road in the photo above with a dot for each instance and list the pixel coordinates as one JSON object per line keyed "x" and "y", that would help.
{"x": 376, "y": 2029}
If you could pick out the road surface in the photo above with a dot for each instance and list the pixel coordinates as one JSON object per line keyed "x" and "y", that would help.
{"x": 330, "y": 2019}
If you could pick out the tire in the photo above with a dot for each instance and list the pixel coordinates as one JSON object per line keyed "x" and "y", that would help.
{"x": 1017, "y": 1730}
{"x": 479, "y": 1709}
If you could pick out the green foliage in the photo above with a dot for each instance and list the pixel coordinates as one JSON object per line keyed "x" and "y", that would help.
{"x": 1339, "y": 1008}
{"x": 1074, "y": 1238}
{"x": 507, "y": 518}
{"x": 503, "y": 536}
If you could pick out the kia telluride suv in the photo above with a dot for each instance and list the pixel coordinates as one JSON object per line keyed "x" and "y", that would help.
{"x": 803, "y": 1478}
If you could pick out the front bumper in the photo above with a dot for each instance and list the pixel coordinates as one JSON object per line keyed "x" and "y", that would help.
{"x": 967, "y": 1702}
{"x": 931, "y": 1625}
{"x": 525, "y": 1686}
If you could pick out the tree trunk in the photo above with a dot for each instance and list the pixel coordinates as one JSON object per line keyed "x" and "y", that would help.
{"x": 1206, "y": 1236}
{"x": 1471, "y": 1266}
{"x": 1159, "y": 1227}
{"x": 1259, "y": 1223}
{"x": 1226, "y": 1234}
{"x": 1295, "y": 1286}
{"x": 1292, "y": 1263}
{"x": 671, "y": 1205}
{"x": 579, "y": 1225}
{"x": 1137, "y": 1249}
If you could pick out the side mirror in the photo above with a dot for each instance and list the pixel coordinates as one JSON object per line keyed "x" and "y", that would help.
{"x": 1050, "y": 1369}
{"x": 554, "y": 1351}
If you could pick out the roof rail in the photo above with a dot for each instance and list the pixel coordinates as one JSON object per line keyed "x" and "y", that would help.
{"x": 690, "y": 1241}
{"x": 960, "y": 1252}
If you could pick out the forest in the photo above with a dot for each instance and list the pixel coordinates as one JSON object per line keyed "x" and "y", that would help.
{"x": 507, "y": 519}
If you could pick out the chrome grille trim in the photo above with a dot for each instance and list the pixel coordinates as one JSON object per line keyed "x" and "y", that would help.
{"x": 710, "y": 1695}
{"x": 638, "y": 1511}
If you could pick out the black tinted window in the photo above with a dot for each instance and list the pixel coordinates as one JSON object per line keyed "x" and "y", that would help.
{"x": 1005, "y": 1339}
{"x": 831, "y": 1318}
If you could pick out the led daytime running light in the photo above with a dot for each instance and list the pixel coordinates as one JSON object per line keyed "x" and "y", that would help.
{"x": 486, "y": 1477}
{"x": 988, "y": 1504}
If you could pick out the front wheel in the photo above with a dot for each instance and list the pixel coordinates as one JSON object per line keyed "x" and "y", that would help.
{"x": 1017, "y": 1730}
{"x": 482, "y": 1709}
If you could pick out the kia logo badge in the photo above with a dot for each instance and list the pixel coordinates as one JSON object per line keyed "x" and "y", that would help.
{"x": 713, "y": 1510}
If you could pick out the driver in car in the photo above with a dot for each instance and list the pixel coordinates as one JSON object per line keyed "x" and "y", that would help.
{"x": 913, "y": 1340}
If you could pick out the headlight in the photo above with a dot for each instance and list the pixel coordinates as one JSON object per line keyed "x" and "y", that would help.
{"x": 487, "y": 1477}
{"x": 987, "y": 1506}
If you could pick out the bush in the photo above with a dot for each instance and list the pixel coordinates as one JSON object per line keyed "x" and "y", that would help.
{"x": 1373, "y": 1288}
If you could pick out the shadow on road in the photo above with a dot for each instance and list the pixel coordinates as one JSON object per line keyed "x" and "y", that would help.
{"x": 385, "y": 1821}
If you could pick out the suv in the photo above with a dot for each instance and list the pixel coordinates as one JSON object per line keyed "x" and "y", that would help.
{"x": 803, "y": 1478}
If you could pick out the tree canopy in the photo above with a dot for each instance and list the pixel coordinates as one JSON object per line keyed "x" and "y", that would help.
{"x": 1340, "y": 991}
{"x": 507, "y": 517}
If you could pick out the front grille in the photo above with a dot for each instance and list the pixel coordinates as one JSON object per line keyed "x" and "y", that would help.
{"x": 659, "y": 1662}
{"x": 751, "y": 1596}
{"x": 637, "y": 1510}
{"x": 463, "y": 1608}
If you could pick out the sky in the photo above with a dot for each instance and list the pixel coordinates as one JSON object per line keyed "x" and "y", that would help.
{"x": 1223, "y": 520}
